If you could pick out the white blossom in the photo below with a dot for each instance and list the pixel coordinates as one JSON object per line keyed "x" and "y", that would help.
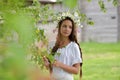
{"x": 74, "y": 16}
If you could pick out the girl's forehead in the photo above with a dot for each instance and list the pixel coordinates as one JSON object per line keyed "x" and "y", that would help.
{"x": 66, "y": 22}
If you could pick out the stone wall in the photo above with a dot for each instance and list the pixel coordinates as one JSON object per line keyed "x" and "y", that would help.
{"x": 119, "y": 22}
{"x": 105, "y": 28}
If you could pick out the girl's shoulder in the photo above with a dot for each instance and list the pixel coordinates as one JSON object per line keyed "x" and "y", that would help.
{"x": 73, "y": 44}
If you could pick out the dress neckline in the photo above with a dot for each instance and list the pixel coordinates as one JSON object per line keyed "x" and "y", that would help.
{"x": 66, "y": 45}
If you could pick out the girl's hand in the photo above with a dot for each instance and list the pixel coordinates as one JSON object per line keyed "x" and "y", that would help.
{"x": 57, "y": 63}
{"x": 46, "y": 62}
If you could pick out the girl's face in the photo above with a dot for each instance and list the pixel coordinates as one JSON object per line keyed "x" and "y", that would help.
{"x": 66, "y": 28}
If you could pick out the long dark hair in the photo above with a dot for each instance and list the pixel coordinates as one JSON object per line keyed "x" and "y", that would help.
{"x": 72, "y": 37}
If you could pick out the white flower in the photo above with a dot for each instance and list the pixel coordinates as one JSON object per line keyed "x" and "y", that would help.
{"x": 67, "y": 13}
{"x": 58, "y": 18}
{"x": 63, "y": 14}
{"x": 76, "y": 14}
{"x": 81, "y": 26}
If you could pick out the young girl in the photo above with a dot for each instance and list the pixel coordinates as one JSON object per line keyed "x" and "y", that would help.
{"x": 69, "y": 59}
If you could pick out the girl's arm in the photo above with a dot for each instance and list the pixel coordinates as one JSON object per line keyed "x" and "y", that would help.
{"x": 71, "y": 69}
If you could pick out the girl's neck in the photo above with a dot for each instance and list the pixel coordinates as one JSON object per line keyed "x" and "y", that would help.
{"x": 65, "y": 39}
{"x": 64, "y": 42}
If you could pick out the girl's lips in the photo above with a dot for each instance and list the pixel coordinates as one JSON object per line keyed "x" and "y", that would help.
{"x": 66, "y": 33}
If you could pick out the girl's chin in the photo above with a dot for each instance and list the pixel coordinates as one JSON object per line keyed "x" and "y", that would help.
{"x": 66, "y": 36}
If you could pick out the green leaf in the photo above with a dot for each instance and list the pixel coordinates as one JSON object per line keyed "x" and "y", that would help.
{"x": 102, "y": 5}
{"x": 22, "y": 24}
{"x": 51, "y": 58}
{"x": 89, "y": 0}
{"x": 90, "y": 22}
{"x": 108, "y": 0}
{"x": 70, "y": 3}
{"x": 115, "y": 2}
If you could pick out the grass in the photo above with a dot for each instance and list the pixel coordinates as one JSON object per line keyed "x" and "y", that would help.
{"x": 101, "y": 61}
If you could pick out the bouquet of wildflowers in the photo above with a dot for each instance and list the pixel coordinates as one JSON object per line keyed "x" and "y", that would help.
{"x": 40, "y": 49}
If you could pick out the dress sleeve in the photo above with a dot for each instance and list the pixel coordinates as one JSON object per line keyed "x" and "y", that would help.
{"x": 76, "y": 54}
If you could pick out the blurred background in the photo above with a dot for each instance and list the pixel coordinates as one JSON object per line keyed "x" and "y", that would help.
{"x": 106, "y": 24}
{"x": 28, "y": 26}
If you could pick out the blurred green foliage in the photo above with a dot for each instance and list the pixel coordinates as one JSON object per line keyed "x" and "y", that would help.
{"x": 102, "y": 4}
{"x": 73, "y": 3}
{"x": 18, "y": 35}
{"x": 70, "y": 3}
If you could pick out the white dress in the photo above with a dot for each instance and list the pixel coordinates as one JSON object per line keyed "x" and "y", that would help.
{"x": 69, "y": 55}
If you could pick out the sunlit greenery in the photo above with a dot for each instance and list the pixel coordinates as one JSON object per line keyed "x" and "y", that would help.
{"x": 101, "y": 61}
{"x": 19, "y": 36}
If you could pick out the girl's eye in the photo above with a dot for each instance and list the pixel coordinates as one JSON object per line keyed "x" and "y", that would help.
{"x": 64, "y": 26}
{"x": 70, "y": 27}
